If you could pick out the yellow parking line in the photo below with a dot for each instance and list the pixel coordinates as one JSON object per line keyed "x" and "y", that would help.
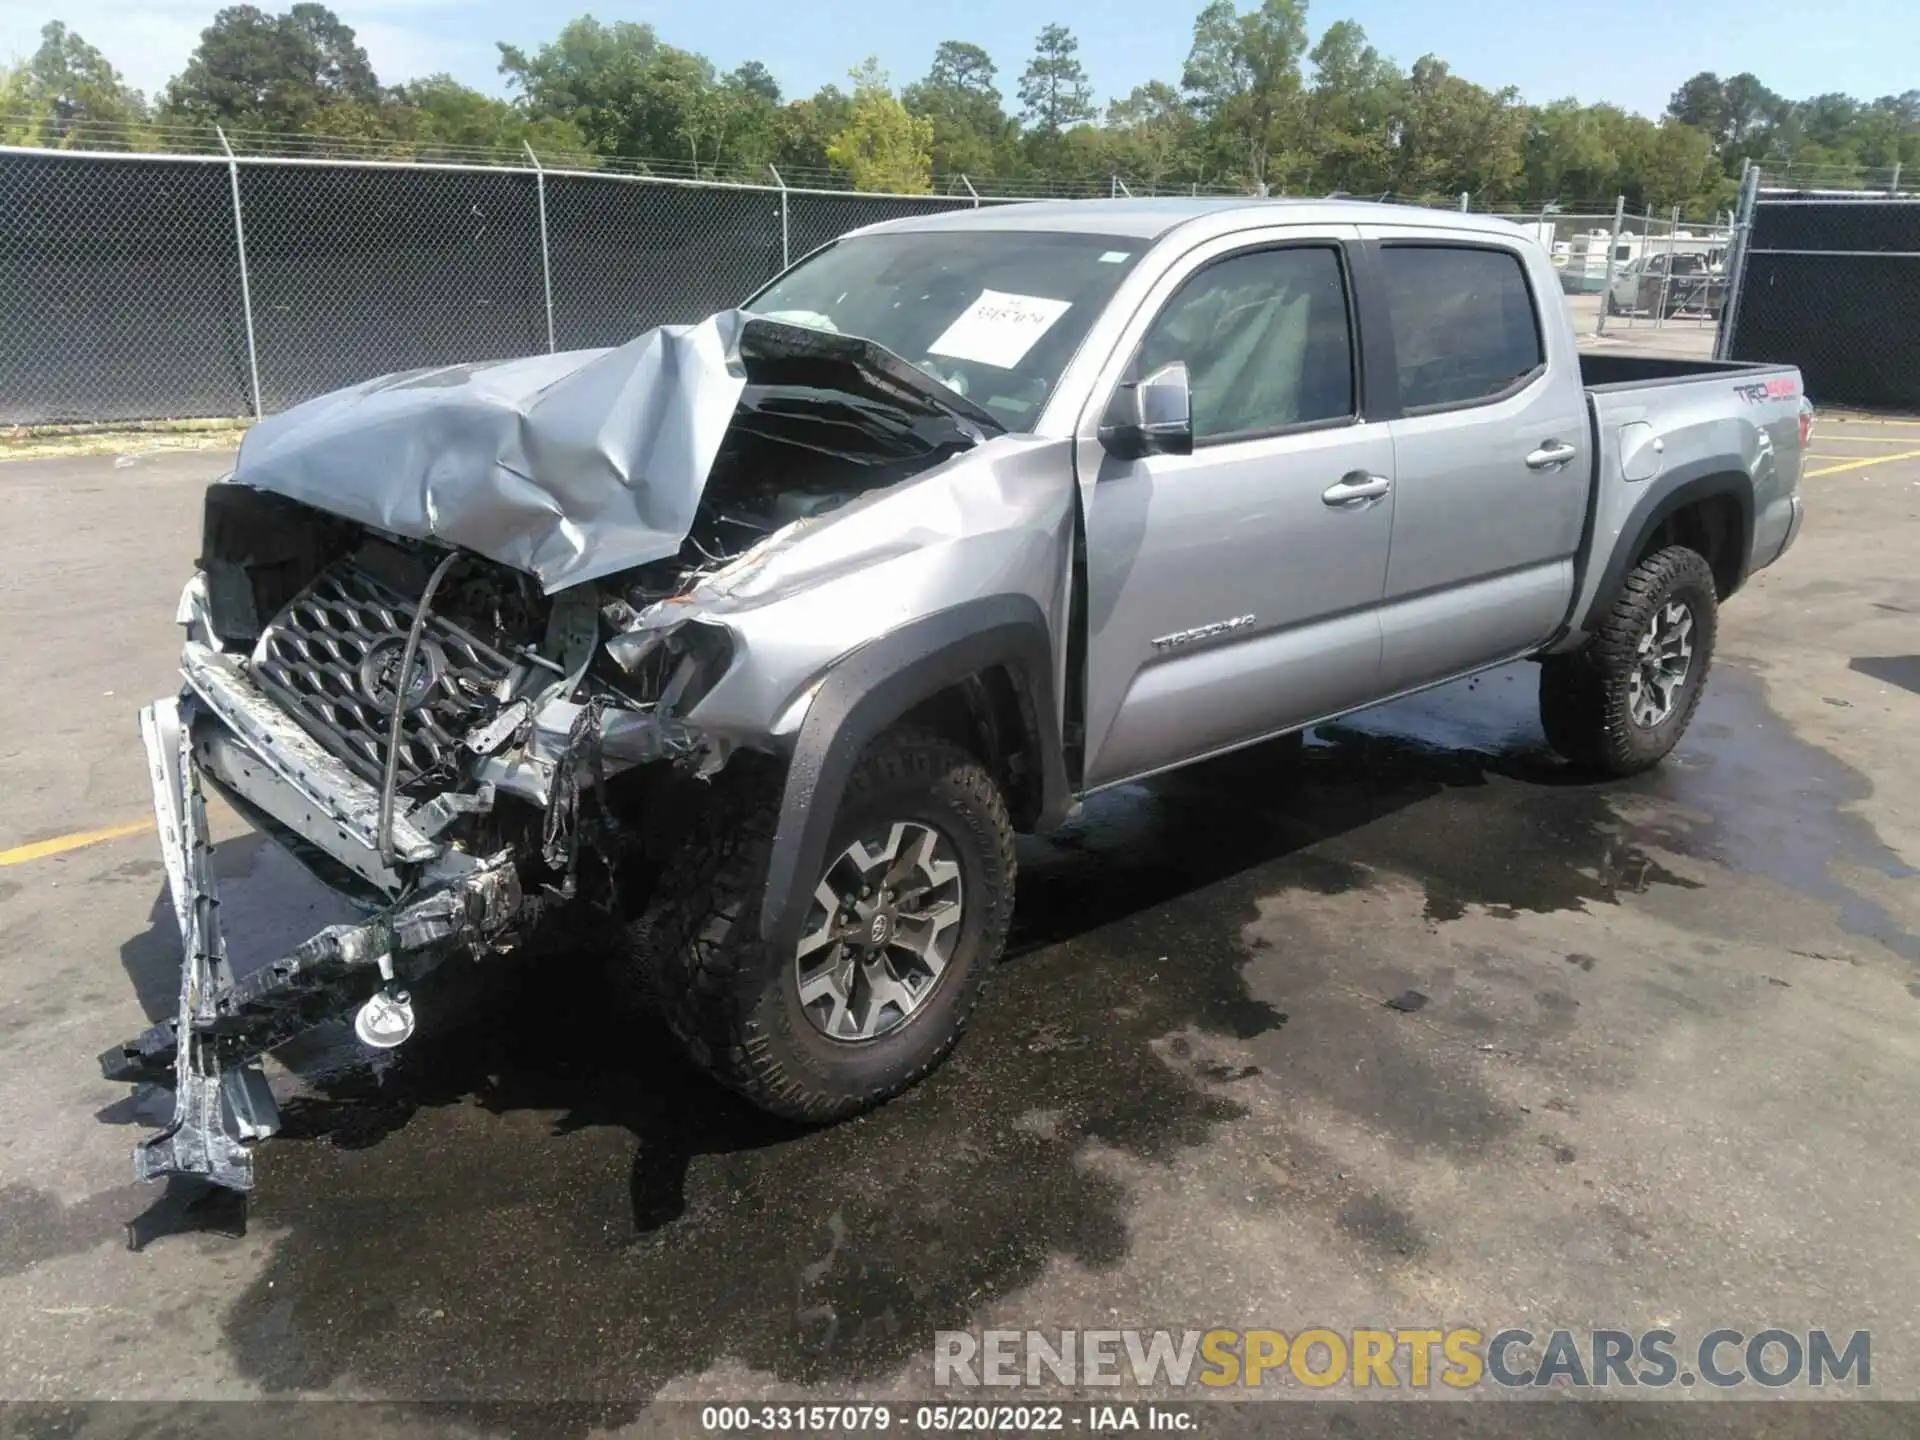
{"x": 60, "y": 844}
{"x": 1828, "y": 417}
{"x": 1861, "y": 464}
{"x": 1829, "y": 438}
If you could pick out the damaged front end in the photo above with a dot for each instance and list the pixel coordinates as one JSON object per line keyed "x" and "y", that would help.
{"x": 445, "y": 639}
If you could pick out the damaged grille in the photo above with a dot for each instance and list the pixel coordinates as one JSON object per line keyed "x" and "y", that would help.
{"x": 331, "y": 659}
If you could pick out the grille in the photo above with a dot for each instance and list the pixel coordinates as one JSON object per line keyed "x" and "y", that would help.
{"x": 331, "y": 659}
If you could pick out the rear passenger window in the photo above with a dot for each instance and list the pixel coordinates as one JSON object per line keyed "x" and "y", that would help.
{"x": 1265, "y": 339}
{"x": 1464, "y": 328}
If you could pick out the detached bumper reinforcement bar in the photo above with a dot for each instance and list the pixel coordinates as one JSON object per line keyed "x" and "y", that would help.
{"x": 209, "y": 1051}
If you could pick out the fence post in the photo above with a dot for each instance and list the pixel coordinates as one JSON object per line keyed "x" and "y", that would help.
{"x": 971, "y": 191}
{"x": 1666, "y": 279}
{"x": 246, "y": 287}
{"x": 1613, "y": 247}
{"x": 1737, "y": 261}
{"x": 546, "y": 259}
{"x": 786, "y": 256}
{"x": 1463, "y": 202}
{"x": 1893, "y": 187}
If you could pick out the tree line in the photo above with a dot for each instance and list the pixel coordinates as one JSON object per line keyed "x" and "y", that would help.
{"x": 1255, "y": 108}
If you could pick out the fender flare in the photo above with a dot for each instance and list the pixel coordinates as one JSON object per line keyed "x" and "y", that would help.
{"x": 1687, "y": 485}
{"x": 872, "y": 687}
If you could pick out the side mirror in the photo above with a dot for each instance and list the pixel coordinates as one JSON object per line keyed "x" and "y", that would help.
{"x": 1151, "y": 416}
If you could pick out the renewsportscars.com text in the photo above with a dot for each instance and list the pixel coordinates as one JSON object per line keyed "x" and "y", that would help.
{"x": 1459, "y": 1358}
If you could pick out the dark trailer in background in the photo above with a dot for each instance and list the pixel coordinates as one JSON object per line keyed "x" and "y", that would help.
{"x": 1831, "y": 283}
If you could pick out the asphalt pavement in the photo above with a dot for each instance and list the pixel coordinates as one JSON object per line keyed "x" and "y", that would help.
{"x": 1413, "y": 1029}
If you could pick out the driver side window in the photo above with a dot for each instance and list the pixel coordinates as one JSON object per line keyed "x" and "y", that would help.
{"x": 1266, "y": 342}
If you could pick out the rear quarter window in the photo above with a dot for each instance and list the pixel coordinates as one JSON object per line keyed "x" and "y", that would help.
{"x": 1465, "y": 330}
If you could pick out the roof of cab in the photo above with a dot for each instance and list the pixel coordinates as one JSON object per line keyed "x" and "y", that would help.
{"x": 1149, "y": 219}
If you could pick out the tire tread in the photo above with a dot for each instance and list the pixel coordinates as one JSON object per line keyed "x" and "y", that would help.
{"x": 700, "y": 937}
{"x": 1584, "y": 696}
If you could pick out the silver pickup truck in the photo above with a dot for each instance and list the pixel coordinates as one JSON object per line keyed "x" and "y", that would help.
{"x": 767, "y": 633}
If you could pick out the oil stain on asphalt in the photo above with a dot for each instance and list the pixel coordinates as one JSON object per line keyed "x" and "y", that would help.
{"x": 550, "y": 1188}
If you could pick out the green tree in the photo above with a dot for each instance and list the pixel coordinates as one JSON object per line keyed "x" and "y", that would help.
{"x": 1739, "y": 115}
{"x": 631, "y": 95}
{"x": 593, "y": 75}
{"x": 805, "y": 129}
{"x": 439, "y": 111}
{"x": 1574, "y": 153}
{"x": 1151, "y": 135}
{"x": 1054, "y": 92}
{"x": 1350, "y": 111}
{"x": 1670, "y": 164}
{"x": 1457, "y": 136}
{"x": 67, "y": 94}
{"x": 258, "y": 71}
{"x": 972, "y": 134}
{"x": 754, "y": 78}
{"x": 884, "y": 146}
{"x": 1243, "y": 74}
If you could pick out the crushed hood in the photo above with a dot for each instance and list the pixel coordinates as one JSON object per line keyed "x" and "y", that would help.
{"x": 576, "y": 465}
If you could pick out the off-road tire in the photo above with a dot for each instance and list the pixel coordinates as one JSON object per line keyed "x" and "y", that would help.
{"x": 1585, "y": 696}
{"x": 733, "y": 1004}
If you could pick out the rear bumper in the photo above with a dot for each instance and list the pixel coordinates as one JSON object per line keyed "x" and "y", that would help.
{"x": 215, "y": 737}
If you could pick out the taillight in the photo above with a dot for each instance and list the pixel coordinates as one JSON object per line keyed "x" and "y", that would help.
{"x": 1806, "y": 425}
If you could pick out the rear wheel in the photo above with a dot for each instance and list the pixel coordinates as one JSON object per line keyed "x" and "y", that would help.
{"x": 907, "y": 916}
{"x": 1621, "y": 703}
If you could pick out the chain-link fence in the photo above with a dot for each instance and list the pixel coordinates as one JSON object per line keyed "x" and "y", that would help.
{"x": 1830, "y": 281}
{"x": 140, "y": 287}
{"x": 119, "y": 290}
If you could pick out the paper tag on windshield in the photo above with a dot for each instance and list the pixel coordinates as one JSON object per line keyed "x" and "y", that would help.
{"x": 998, "y": 328}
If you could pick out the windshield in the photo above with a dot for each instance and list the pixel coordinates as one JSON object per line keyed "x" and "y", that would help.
{"x": 994, "y": 315}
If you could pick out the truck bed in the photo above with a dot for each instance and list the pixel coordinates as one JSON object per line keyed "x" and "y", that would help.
{"x": 1616, "y": 372}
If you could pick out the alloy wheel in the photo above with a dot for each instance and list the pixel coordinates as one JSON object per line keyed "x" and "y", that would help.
{"x": 883, "y": 925}
{"x": 1664, "y": 659}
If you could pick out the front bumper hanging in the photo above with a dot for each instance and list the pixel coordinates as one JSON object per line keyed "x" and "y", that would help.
{"x": 209, "y": 1052}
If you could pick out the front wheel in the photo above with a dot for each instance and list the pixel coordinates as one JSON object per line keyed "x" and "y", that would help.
{"x": 1621, "y": 703}
{"x": 907, "y": 916}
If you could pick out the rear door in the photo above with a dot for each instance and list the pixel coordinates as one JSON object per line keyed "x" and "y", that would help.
{"x": 1232, "y": 592}
{"x": 1491, "y": 451}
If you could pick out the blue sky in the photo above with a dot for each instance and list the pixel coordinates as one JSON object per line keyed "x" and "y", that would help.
{"x": 1632, "y": 52}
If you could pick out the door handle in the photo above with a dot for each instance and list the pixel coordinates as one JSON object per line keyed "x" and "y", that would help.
{"x": 1356, "y": 487}
{"x": 1551, "y": 456}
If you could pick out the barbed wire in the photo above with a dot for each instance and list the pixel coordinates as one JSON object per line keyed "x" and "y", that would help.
{"x": 1781, "y": 173}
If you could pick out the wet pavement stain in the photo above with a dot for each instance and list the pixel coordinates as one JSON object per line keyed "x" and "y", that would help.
{"x": 551, "y": 1189}
{"x": 1740, "y": 763}
{"x": 554, "y": 1190}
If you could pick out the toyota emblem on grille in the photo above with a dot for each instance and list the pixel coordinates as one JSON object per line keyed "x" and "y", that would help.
{"x": 379, "y": 671}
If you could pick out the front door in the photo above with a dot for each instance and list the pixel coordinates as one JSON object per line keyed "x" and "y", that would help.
{"x": 1233, "y": 593}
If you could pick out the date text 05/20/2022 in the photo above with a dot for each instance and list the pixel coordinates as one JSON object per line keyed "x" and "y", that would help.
{"x": 942, "y": 1419}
